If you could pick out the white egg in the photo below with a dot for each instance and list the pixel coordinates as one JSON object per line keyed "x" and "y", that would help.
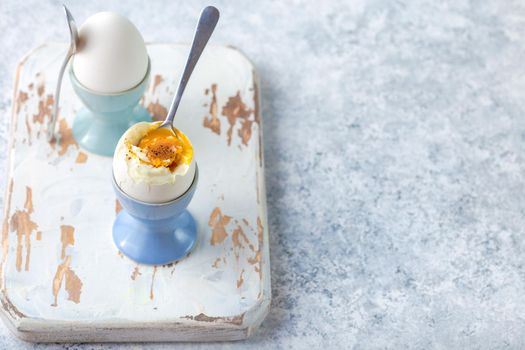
{"x": 145, "y": 182}
{"x": 112, "y": 57}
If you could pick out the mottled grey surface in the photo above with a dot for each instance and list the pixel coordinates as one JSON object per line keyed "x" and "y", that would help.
{"x": 395, "y": 162}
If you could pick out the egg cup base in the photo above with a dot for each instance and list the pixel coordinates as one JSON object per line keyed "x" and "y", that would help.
{"x": 99, "y": 135}
{"x": 155, "y": 242}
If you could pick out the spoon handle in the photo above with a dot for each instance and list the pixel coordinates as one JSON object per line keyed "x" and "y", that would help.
{"x": 54, "y": 115}
{"x": 73, "y": 35}
{"x": 207, "y": 22}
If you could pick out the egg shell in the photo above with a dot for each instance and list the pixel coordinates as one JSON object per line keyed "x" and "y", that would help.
{"x": 112, "y": 57}
{"x": 142, "y": 190}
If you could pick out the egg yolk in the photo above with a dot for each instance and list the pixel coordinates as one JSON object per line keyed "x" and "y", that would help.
{"x": 165, "y": 148}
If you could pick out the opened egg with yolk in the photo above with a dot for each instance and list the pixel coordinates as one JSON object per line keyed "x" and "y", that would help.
{"x": 153, "y": 164}
{"x": 164, "y": 147}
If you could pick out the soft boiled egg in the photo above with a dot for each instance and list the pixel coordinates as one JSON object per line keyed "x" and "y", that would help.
{"x": 155, "y": 169}
{"x": 112, "y": 56}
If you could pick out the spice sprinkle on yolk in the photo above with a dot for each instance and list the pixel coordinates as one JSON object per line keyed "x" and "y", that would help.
{"x": 164, "y": 148}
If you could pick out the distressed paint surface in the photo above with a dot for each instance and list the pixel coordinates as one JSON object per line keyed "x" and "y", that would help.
{"x": 212, "y": 121}
{"x": 57, "y": 252}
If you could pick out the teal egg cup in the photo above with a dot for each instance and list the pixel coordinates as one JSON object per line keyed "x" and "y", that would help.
{"x": 99, "y": 126}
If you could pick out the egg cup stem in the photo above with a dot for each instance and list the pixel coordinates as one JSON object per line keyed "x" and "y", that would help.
{"x": 99, "y": 126}
{"x": 155, "y": 242}
{"x": 99, "y": 133}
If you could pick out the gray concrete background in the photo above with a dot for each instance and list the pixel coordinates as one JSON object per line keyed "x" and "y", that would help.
{"x": 395, "y": 145}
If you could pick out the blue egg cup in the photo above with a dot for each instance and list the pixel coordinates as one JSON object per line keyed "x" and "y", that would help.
{"x": 98, "y": 127}
{"x": 155, "y": 234}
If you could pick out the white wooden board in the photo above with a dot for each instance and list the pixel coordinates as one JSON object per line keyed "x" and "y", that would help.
{"x": 62, "y": 279}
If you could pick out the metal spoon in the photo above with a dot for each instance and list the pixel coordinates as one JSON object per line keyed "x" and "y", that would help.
{"x": 207, "y": 22}
{"x": 73, "y": 47}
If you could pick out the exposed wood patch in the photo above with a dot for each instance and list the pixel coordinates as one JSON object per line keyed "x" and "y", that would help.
{"x": 157, "y": 111}
{"x": 24, "y": 226}
{"x": 64, "y": 274}
{"x": 5, "y": 231}
{"x": 8, "y": 306}
{"x": 44, "y": 113}
{"x": 260, "y": 233}
{"x": 218, "y": 223}
{"x": 66, "y": 137}
{"x": 41, "y": 86}
{"x": 59, "y": 277}
{"x": 240, "y": 241}
{"x": 73, "y": 286}
{"x": 20, "y": 100}
{"x": 135, "y": 273}
{"x": 44, "y": 110}
{"x": 237, "y": 235}
{"x": 235, "y": 109}
{"x": 257, "y": 120}
{"x": 240, "y": 281}
{"x": 81, "y": 158}
{"x": 67, "y": 237}
{"x": 157, "y": 80}
{"x": 236, "y": 320}
{"x": 213, "y": 122}
{"x": 151, "y": 294}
